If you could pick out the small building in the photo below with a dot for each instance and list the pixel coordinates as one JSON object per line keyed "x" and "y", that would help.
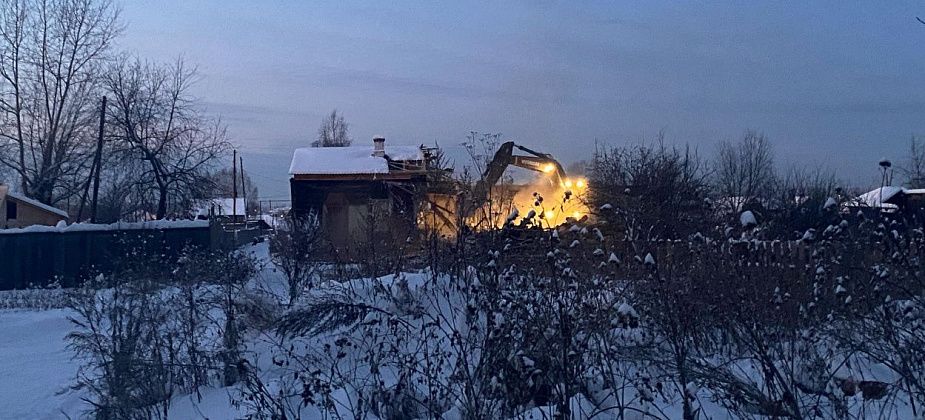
{"x": 19, "y": 211}
{"x": 359, "y": 191}
{"x": 890, "y": 199}
{"x": 224, "y": 208}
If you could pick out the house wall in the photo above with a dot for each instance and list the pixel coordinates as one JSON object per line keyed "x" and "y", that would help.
{"x": 347, "y": 209}
{"x": 28, "y": 215}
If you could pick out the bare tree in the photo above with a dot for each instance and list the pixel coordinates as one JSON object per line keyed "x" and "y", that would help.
{"x": 51, "y": 52}
{"x": 222, "y": 187}
{"x": 915, "y": 168}
{"x": 333, "y": 132}
{"x": 156, "y": 120}
{"x": 802, "y": 198}
{"x": 652, "y": 192}
{"x": 745, "y": 170}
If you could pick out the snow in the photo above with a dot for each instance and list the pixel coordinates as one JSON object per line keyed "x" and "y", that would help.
{"x": 36, "y": 366}
{"x": 514, "y": 214}
{"x": 829, "y": 203}
{"x": 36, "y": 363}
{"x": 83, "y": 227}
{"x": 747, "y": 218}
{"x": 809, "y": 235}
{"x": 38, "y": 204}
{"x": 348, "y": 160}
{"x": 627, "y": 310}
{"x": 879, "y": 196}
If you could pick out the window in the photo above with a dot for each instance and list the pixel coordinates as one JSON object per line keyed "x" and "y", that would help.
{"x": 10, "y": 210}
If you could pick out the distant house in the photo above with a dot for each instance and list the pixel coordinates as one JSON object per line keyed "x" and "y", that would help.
{"x": 359, "y": 190}
{"x": 223, "y": 207}
{"x": 18, "y": 211}
{"x": 890, "y": 199}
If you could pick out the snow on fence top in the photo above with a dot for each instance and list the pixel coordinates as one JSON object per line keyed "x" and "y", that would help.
{"x": 348, "y": 160}
{"x": 85, "y": 227}
{"x": 38, "y": 204}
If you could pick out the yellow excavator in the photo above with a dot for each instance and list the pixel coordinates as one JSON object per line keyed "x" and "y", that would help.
{"x": 504, "y": 157}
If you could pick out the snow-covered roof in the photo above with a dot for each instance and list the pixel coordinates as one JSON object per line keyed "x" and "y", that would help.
{"x": 223, "y": 207}
{"x": 38, "y": 204}
{"x": 879, "y": 197}
{"x": 348, "y": 160}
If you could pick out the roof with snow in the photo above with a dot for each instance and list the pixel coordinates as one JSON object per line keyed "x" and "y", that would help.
{"x": 38, "y": 204}
{"x": 880, "y": 197}
{"x": 352, "y": 160}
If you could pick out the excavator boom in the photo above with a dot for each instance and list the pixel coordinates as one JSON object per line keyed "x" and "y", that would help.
{"x": 504, "y": 157}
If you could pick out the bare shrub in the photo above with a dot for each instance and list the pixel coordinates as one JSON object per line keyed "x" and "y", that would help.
{"x": 128, "y": 356}
{"x": 151, "y": 331}
{"x": 295, "y": 249}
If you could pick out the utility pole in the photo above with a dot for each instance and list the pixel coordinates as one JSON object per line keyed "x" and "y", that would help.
{"x": 234, "y": 184}
{"x": 97, "y": 162}
{"x": 243, "y": 187}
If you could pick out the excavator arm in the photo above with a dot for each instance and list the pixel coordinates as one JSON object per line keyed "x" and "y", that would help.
{"x": 504, "y": 157}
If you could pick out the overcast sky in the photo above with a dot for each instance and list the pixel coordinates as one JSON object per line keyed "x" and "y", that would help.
{"x": 838, "y": 84}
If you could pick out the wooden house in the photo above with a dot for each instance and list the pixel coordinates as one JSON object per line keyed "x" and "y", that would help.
{"x": 19, "y": 211}
{"x": 359, "y": 191}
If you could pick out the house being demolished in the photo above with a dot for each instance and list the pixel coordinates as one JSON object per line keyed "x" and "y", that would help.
{"x": 359, "y": 191}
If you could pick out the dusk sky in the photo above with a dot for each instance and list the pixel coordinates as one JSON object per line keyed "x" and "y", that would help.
{"x": 837, "y": 84}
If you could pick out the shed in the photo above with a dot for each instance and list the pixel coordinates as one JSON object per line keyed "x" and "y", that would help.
{"x": 890, "y": 199}
{"x": 18, "y": 211}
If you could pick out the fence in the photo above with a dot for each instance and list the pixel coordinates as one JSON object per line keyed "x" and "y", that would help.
{"x": 39, "y": 256}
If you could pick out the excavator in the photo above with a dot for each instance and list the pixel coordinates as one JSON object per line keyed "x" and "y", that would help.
{"x": 504, "y": 157}
{"x": 480, "y": 193}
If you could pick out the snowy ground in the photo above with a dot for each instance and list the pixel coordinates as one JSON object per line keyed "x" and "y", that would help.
{"x": 36, "y": 366}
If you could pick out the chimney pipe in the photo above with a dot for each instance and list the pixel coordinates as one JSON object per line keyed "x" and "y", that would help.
{"x": 379, "y": 146}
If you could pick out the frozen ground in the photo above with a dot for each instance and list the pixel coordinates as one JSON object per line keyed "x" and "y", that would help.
{"x": 36, "y": 366}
